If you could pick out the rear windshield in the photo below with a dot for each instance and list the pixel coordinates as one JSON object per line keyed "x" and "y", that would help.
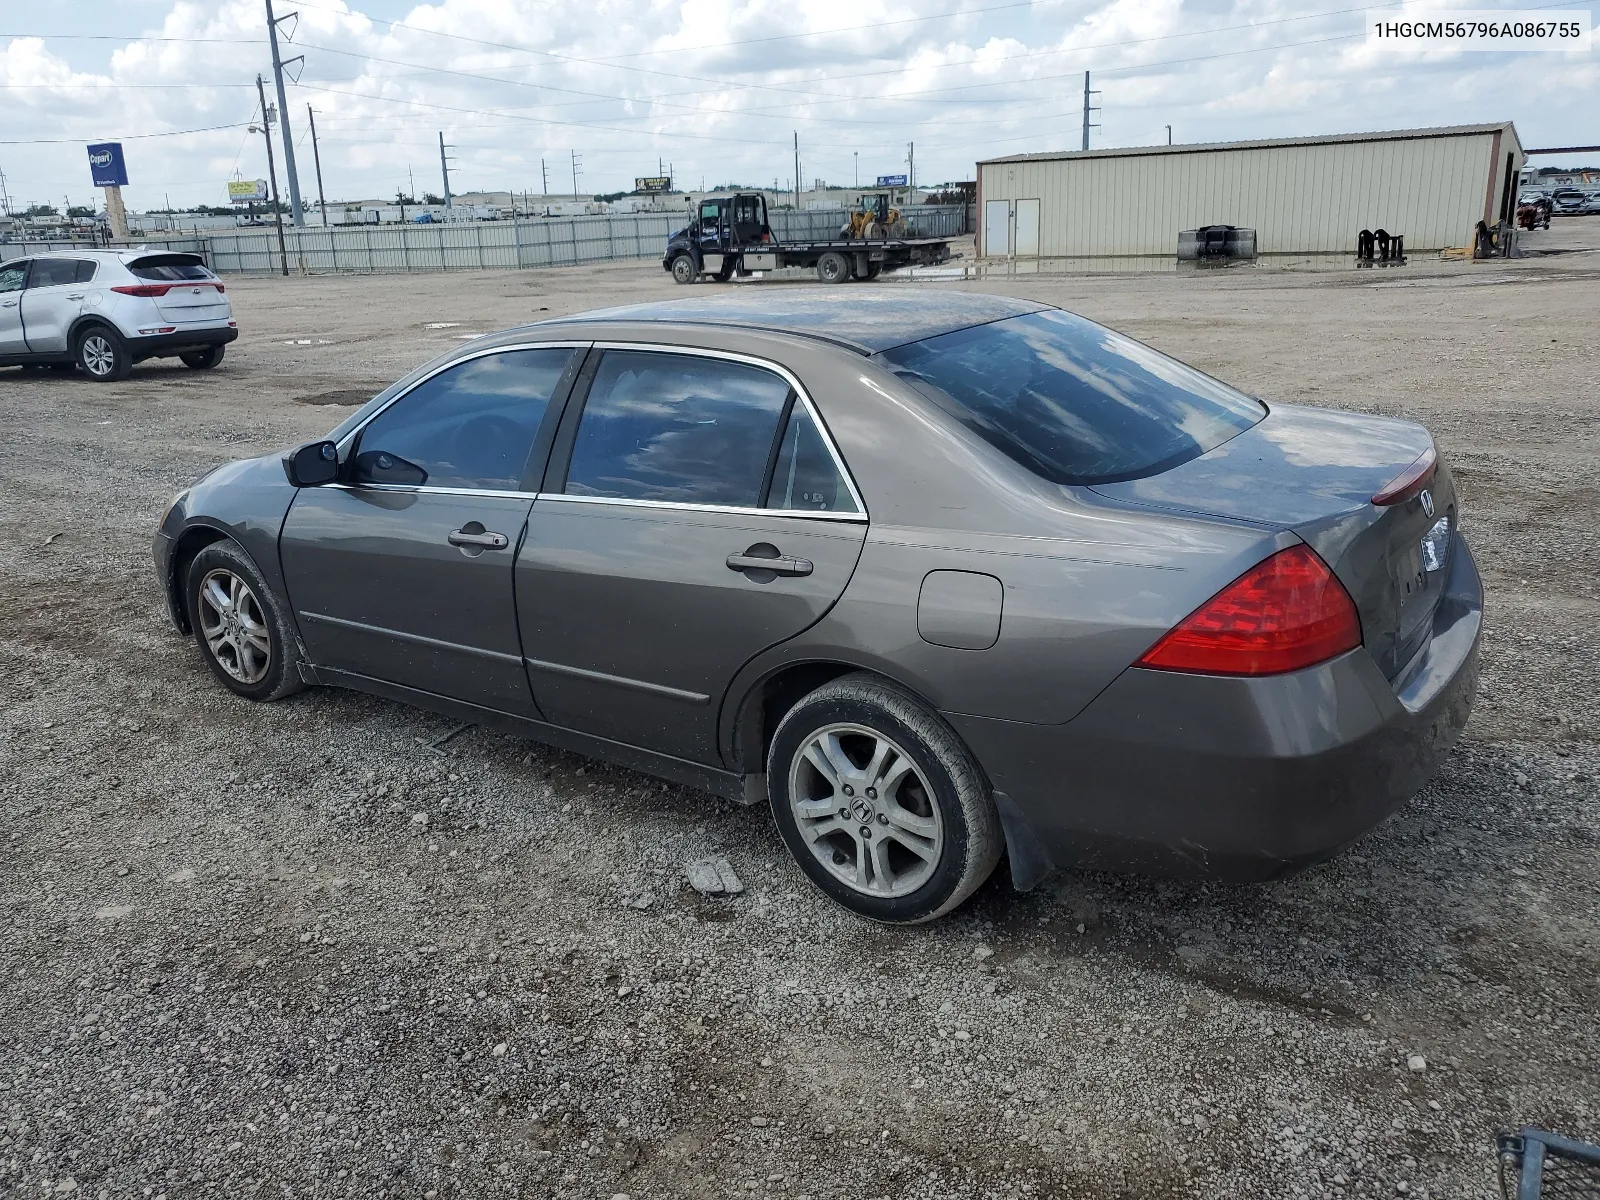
{"x": 168, "y": 270}
{"x": 1073, "y": 401}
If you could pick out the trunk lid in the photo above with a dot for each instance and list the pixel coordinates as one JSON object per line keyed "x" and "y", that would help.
{"x": 187, "y": 302}
{"x": 1314, "y": 472}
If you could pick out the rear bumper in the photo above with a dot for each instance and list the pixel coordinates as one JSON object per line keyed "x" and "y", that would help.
{"x": 1233, "y": 779}
{"x": 166, "y": 345}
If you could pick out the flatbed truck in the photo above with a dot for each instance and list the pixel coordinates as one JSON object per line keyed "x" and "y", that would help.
{"x": 730, "y": 237}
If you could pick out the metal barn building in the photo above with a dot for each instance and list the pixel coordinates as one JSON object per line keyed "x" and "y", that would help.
{"x": 1300, "y": 195}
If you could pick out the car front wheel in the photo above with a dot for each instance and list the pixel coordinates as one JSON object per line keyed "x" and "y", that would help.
{"x": 880, "y": 803}
{"x": 243, "y": 633}
{"x": 102, "y": 355}
{"x": 202, "y": 360}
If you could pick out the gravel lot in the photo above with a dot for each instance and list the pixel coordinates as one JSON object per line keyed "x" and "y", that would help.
{"x": 296, "y": 950}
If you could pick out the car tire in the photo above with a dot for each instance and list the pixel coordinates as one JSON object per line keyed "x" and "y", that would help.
{"x": 833, "y": 267}
{"x": 102, "y": 355}
{"x": 241, "y": 629}
{"x": 202, "y": 360}
{"x": 683, "y": 269}
{"x": 921, "y": 833}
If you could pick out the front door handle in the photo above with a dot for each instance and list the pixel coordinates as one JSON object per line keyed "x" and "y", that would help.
{"x": 8, "y": 304}
{"x": 765, "y": 557}
{"x": 478, "y": 538}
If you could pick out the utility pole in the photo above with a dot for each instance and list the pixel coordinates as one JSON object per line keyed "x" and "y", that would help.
{"x": 857, "y": 154}
{"x": 797, "y": 170}
{"x": 576, "y": 164}
{"x": 272, "y": 170}
{"x": 316, "y": 154}
{"x": 544, "y": 173}
{"x": 911, "y": 160}
{"x": 444, "y": 169}
{"x": 1087, "y": 109}
{"x": 283, "y": 115}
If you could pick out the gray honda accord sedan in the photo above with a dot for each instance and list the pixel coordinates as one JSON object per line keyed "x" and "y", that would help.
{"x": 941, "y": 576}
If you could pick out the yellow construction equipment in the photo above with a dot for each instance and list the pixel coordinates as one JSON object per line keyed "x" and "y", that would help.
{"x": 873, "y": 218}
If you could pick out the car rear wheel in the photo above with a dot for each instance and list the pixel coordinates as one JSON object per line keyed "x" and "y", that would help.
{"x": 242, "y": 632}
{"x": 833, "y": 267}
{"x": 102, "y": 355}
{"x": 684, "y": 270}
{"x": 202, "y": 360}
{"x": 881, "y": 805}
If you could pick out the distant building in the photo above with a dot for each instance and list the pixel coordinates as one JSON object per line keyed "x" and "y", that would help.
{"x": 1301, "y": 195}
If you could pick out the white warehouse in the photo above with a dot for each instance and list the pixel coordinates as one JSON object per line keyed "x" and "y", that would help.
{"x": 1301, "y": 195}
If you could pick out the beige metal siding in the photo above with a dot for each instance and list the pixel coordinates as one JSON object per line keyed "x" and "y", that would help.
{"x": 1300, "y": 199}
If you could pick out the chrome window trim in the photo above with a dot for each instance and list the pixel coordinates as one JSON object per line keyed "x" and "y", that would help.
{"x": 428, "y": 490}
{"x": 801, "y": 394}
{"x": 348, "y": 440}
{"x": 687, "y": 506}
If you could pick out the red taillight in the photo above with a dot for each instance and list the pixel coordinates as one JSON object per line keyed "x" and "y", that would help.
{"x": 1410, "y": 481}
{"x": 1285, "y": 613}
{"x": 152, "y": 290}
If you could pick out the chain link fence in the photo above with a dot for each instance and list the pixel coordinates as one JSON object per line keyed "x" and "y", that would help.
{"x": 484, "y": 245}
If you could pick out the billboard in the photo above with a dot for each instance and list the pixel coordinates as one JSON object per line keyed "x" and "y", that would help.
{"x": 652, "y": 183}
{"x": 247, "y": 191}
{"x": 891, "y": 181}
{"x": 106, "y": 167}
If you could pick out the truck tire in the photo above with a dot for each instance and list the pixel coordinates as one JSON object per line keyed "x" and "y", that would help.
{"x": 684, "y": 270}
{"x": 833, "y": 267}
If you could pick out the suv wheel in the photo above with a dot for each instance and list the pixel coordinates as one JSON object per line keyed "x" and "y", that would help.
{"x": 102, "y": 355}
{"x": 242, "y": 632}
{"x": 880, "y": 803}
{"x": 202, "y": 360}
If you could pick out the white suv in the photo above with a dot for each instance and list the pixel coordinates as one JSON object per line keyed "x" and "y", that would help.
{"x": 104, "y": 310}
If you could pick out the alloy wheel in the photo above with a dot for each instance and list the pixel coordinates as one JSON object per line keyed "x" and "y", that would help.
{"x": 234, "y": 626}
{"x": 99, "y": 355}
{"x": 865, "y": 810}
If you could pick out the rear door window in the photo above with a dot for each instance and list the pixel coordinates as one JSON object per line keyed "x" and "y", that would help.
{"x": 51, "y": 272}
{"x": 805, "y": 475}
{"x": 1074, "y": 401}
{"x": 677, "y": 428}
{"x": 470, "y": 426}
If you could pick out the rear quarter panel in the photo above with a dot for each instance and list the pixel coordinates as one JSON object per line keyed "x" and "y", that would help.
{"x": 1087, "y": 585}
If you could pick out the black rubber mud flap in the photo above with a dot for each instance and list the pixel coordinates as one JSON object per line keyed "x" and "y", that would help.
{"x": 1029, "y": 860}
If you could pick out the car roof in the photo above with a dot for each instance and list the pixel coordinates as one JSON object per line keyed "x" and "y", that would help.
{"x": 867, "y": 320}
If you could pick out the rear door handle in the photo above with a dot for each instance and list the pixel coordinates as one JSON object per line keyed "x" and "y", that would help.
{"x": 783, "y": 564}
{"x": 479, "y": 539}
{"x": 75, "y": 296}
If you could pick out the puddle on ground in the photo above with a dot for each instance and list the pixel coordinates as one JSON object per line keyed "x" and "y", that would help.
{"x": 350, "y": 397}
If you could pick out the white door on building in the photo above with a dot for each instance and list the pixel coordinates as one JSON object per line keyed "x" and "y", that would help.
{"x": 1027, "y": 240}
{"x": 997, "y": 228}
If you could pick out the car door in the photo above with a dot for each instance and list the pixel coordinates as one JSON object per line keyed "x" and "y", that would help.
{"x": 695, "y": 514}
{"x": 53, "y": 300}
{"x": 13, "y": 275}
{"x": 402, "y": 572}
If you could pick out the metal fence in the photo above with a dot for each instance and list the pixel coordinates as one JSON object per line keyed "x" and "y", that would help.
{"x": 545, "y": 242}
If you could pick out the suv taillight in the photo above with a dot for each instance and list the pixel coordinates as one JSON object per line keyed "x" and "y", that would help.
{"x": 152, "y": 290}
{"x": 1286, "y": 612}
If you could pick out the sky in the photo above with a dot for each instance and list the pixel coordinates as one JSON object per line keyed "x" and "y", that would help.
{"x": 718, "y": 89}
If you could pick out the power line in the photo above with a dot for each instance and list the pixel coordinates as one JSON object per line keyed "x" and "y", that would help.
{"x": 126, "y": 137}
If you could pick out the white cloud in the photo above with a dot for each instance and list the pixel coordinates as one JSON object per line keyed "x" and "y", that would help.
{"x": 625, "y": 82}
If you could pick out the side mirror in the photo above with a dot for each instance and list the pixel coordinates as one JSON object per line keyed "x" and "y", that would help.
{"x": 312, "y": 465}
